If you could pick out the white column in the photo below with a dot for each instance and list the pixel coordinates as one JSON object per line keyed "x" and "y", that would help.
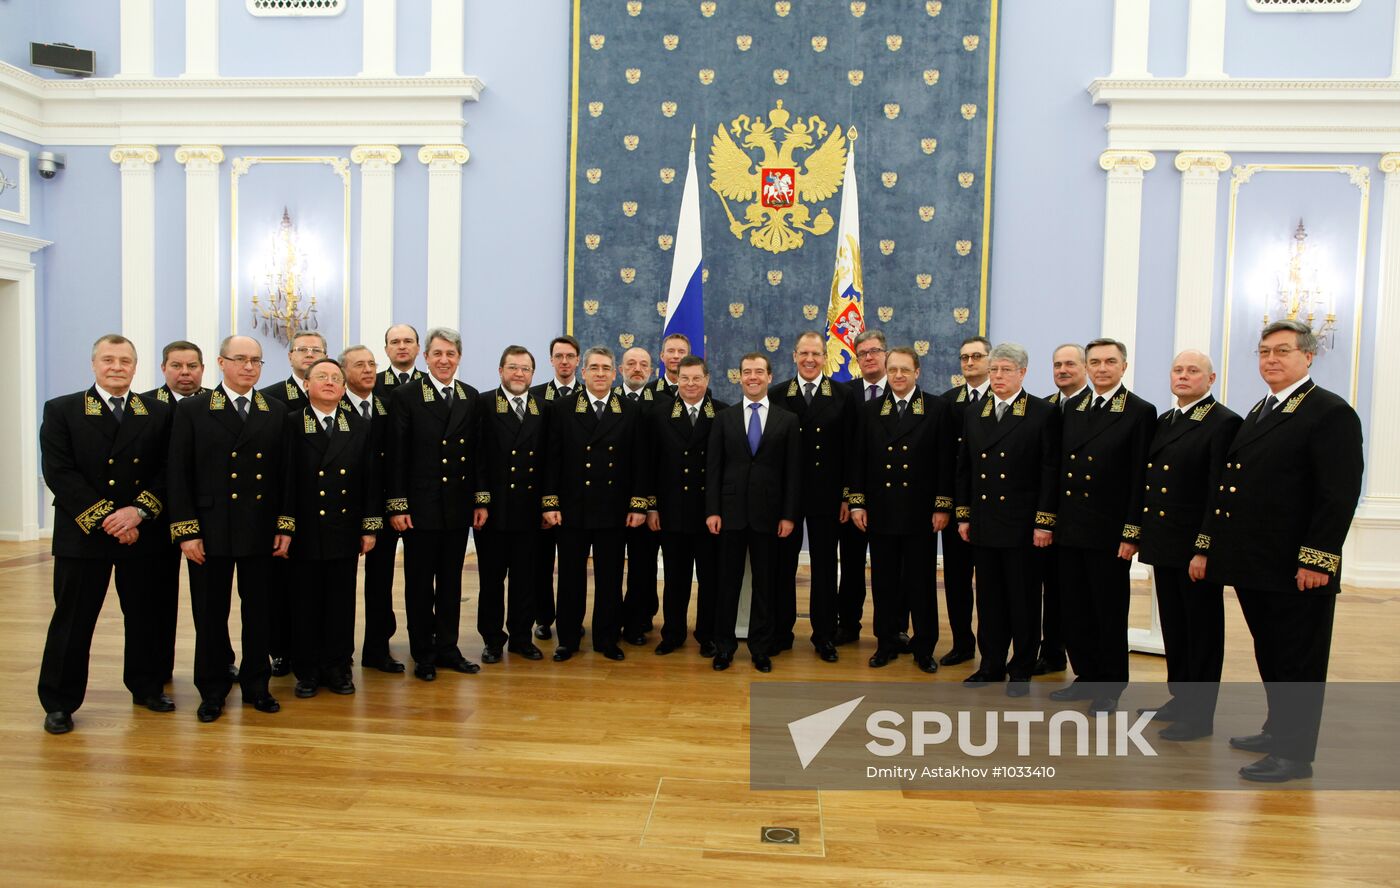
{"x": 1205, "y": 40}
{"x": 1130, "y": 19}
{"x": 380, "y": 36}
{"x": 201, "y": 38}
{"x": 445, "y": 55}
{"x": 138, "y": 39}
{"x": 1122, "y": 236}
{"x": 376, "y": 240}
{"x": 444, "y": 232}
{"x": 201, "y": 244}
{"x": 19, "y": 437}
{"x": 1395, "y": 50}
{"x": 1195, "y": 248}
{"x": 139, "y": 254}
{"x": 1369, "y": 556}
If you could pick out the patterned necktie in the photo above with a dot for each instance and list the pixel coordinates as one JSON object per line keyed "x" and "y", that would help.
{"x": 519, "y": 408}
{"x": 241, "y": 403}
{"x": 899, "y": 407}
{"x": 364, "y": 410}
{"x": 755, "y": 428}
{"x": 808, "y": 388}
{"x": 693, "y": 414}
{"x": 1001, "y": 410}
{"x": 632, "y": 396}
{"x": 327, "y": 424}
{"x": 117, "y": 407}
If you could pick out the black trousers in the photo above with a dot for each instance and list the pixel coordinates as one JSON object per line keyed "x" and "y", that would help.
{"x": 641, "y": 604}
{"x": 761, "y": 551}
{"x": 1094, "y": 589}
{"x": 1193, "y": 627}
{"x": 850, "y": 595}
{"x": 380, "y": 624}
{"x": 79, "y": 588}
{"x": 1008, "y": 609}
{"x": 211, "y": 592}
{"x": 546, "y": 542}
{"x": 281, "y": 611}
{"x": 1292, "y": 644}
{"x": 823, "y": 543}
{"x": 432, "y": 569}
{"x": 607, "y": 547}
{"x": 324, "y": 608}
{"x": 684, "y": 553}
{"x": 506, "y": 555}
{"x": 163, "y": 603}
{"x": 904, "y": 585}
{"x": 1052, "y": 644}
{"x": 958, "y": 562}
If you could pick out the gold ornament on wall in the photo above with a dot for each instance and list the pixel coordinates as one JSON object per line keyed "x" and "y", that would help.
{"x": 668, "y": 109}
{"x": 923, "y": 280}
{"x": 889, "y": 179}
{"x": 926, "y": 214}
{"x": 593, "y": 174}
{"x": 629, "y": 208}
{"x": 634, "y": 8}
{"x": 736, "y": 310}
{"x": 707, "y": 8}
{"x": 704, "y": 275}
{"x": 595, "y": 109}
{"x": 596, "y": 40}
{"x": 819, "y": 43}
{"x": 965, "y": 179}
{"x": 633, "y": 74}
{"x": 963, "y": 247}
{"x": 969, "y": 111}
{"x": 858, "y": 8}
{"x": 592, "y": 241}
{"x": 780, "y": 76}
{"x": 707, "y": 76}
{"x": 744, "y": 41}
{"x": 630, "y": 141}
{"x": 970, "y": 42}
{"x": 931, "y": 76}
{"x": 775, "y": 277}
{"x": 661, "y": 308}
{"x": 928, "y": 146}
{"x": 782, "y": 8}
{"x": 891, "y": 110}
{"x": 885, "y": 312}
{"x": 771, "y": 343}
{"x": 894, "y": 42}
{"x": 933, "y": 8}
{"x": 886, "y": 247}
{"x": 667, "y": 174}
{"x": 810, "y": 312}
{"x": 961, "y": 315}
{"x": 733, "y": 374}
{"x": 628, "y": 275}
{"x": 670, "y": 41}
{"x": 855, "y": 76}
{"x": 921, "y": 347}
{"x": 664, "y": 241}
{"x": 590, "y": 307}
{"x": 626, "y": 339}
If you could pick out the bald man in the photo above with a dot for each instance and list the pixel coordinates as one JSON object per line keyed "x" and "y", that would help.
{"x": 1184, "y": 464}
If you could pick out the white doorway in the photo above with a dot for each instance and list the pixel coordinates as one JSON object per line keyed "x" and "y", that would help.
{"x": 19, "y": 433}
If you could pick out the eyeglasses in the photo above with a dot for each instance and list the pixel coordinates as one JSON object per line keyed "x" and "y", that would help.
{"x": 322, "y": 377}
{"x": 242, "y": 359}
{"x": 518, "y": 368}
{"x": 870, "y": 352}
{"x": 309, "y": 350}
{"x": 975, "y": 356}
{"x": 1281, "y": 351}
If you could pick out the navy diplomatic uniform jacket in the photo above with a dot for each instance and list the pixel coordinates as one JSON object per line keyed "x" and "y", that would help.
{"x": 330, "y": 484}
{"x": 432, "y": 459}
{"x": 903, "y": 465}
{"x": 828, "y": 440}
{"x": 512, "y": 460}
{"x": 679, "y": 456}
{"x": 1102, "y": 462}
{"x": 1006, "y": 471}
{"x": 596, "y": 471}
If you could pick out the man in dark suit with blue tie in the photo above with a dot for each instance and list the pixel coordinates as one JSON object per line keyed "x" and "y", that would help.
{"x": 752, "y": 497}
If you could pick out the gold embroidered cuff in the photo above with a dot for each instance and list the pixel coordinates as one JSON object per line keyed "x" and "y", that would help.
{"x": 1318, "y": 559}
{"x": 1044, "y": 519}
{"x": 183, "y": 530}
{"x": 855, "y": 500}
{"x": 286, "y": 523}
{"x": 639, "y": 504}
{"x": 370, "y": 524}
{"x": 651, "y": 503}
{"x": 483, "y": 498}
{"x": 943, "y": 504}
{"x": 549, "y": 503}
{"x": 399, "y": 504}
{"x": 93, "y": 515}
{"x": 963, "y": 513}
{"x": 845, "y": 491}
{"x": 150, "y": 502}
{"x": 1202, "y": 542}
{"x": 1132, "y": 532}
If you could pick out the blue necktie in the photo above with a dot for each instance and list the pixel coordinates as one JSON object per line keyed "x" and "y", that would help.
{"x": 755, "y": 429}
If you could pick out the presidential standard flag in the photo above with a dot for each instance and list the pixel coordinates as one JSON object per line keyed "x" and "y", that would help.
{"x": 685, "y": 306}
{"x": 845, "y": 315}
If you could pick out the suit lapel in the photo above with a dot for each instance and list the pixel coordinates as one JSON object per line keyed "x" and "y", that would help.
{"x": 1255, "y": 427}
{"x": 102, "y": 418}
{"x": 256, "y": 418}
{"x": 1175, "y": 429}
{"x": 133, "y": 421}
{"x": 1012, "y": 418}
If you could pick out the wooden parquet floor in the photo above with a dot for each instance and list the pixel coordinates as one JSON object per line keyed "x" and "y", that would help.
{"x": 593, "y": 772}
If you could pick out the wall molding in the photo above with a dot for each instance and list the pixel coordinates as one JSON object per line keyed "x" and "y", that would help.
{"x": 17, "y": 264}
{"x": 302, "y": 111}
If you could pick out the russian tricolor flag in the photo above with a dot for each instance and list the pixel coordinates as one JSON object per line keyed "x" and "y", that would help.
{"x": 685, "y": 306}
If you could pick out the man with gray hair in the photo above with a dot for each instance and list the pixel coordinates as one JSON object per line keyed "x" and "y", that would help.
{"x": 1275, "y": 531}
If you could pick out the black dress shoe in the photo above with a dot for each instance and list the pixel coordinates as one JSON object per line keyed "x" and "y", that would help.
{"x": 1045, "y": 667}
{"x": 707, "y": 650}
{"x": 636, "y": 639}
{"x": 613, "y": 653}
{"x": 156, "y": 702}
{"x": 462, "y": 665}
{"x": 343, "y": 686}
{"x": 425, "y": 671}
{"x": 210, "y": 710}
{"x": 562, "y": 653}
{"x": 722, "y": 662}
{"x": 926, "y": 663}
{"x": 763, "y": 664}
{"x": 305, "y": 689}
{"x": 1163, "y": 713}
{"x": 58, "y": 722}
{"x": 903, "y": 643}
{"x": 980, "y": 679}
{"x": 666, "y": 647}
{"x": 882, "y": 657}
{"x": 1272, "y": 769}
{"x": 1261, "y": 742}
{"x": 1182, "y": 731}
{"x": 1018, "y": 687}
{"x": 1104, "y": 706}
{"x": 389, "y": 665}
{"x": 828, "y": 652}
{"x": 265, "y": 703}
{"x": 1071, "y": 692}
{"x": 491, "y": 654}
{"x": 281, "y": 666}
{"x": 954, "y": 657}
{"x": 543, "y": 633}
{"x": 526, "y": 650}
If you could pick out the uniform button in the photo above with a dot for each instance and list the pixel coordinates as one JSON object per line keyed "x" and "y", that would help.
{"x": 461, "y": 440}
{"x": 1227, "y": 514}
{"x": 1003, "y": 454}
{"x": 512, "y": 468}
{"x": 610, "y": 448}
{"x": 817, "y": 464}
{"x": 512, "y": 486}
{"x": 1144, "y": 510}
{"x": 322, "y": 492}
{"x": 343, "y": 511}
{"x": 819, "y": 447}
{"x": 587, "y": 483}
{"x": 444, "y": 480}
{"x": 444, "y": 442}
{"x": 906, "y": 466}
{"x": 512, "y": 453}
{"x": 532, "y": 468}
{"x": 610, "y": 482}
{"x": 1071, "y": 456}
{"x": 1003, "y": 476}
{"x": 342, "y": 471}
{"x": 587, "y": 447}
{"x": 685, "y": 453}
{"x": 444, "y": 460}
{"x": 320, "y": 474}
{"x": 1068, "y": 493}
{"x": 588, "y": 465}
{"x": 531, "y": 453}
{"x": 1166, "y": 468}
{"x": 1088, "y": 477}
{"x": 1222, "y": 487}
{"x": 1069, "y": 474}
{"x": 233, "y": 455}
{"x": 819, "y": 429}
{"x": 906, "y": 484}
{"x": 233, "y": 475}
{"x": 1217, "y": 511}
{"x": 1232, "y": 489}
{"x": 906, "y": 447}
{"x": 888, "y": 484}
{"x": 1002, "y": 498}
{"x": 610, "y": 465}
{"x": 1162, "y": 514}
{"x": 1149, "y": 465}
{"x": 323, "y": 511}
{"x": 233, "y": 496}
{"x": 136, "y": 460}
{"x": 258, "y": 497}
{"x": 460, "y": 459}
{"x": 685, "y": 487}
{"x": 685, "y": 471}
{"x": 984, "y": 456}
{"x": 1164, "y": 490}
{"x": 257, "y": 477}
{"x": 344, "y": 492}
{"x": 984, "y": 496}
{"x": 1089, "y": 458}
{"x": 111, "y": 462}
{"x": 257, "y": 456}
{"x": 984, "y": 476}
{"x": 111, "y": 483}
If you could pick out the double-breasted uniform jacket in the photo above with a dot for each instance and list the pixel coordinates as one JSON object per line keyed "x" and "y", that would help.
{"x": 828, "y": 438}
{"x": 159, "y": 525}
{"x": 330, "y": 484}
{"x": 754, "y": 490}
{"x": 1006, "y": 485}
{"x": 379, "y": 444}
{"x": 167, "y": 397}
{"x": 957, "y": 399}
{"x": 511, "y": 466}
{"x": 225, "y": 474}
{"x": 95, "y": 465}
{"x": 386, "y": 382}
{"x": 548, "y": 392}
{"x": 903, "y": 466}
{"x": 1103, "y": 459}
{"x": 596, "y": 470}
{"x": 432, "y": 455}
{"x": 679, "y": 453}
{"x": 288, "y": 391}
{"x": 1184, "y": 463}
{"x": 1286, "y": 494}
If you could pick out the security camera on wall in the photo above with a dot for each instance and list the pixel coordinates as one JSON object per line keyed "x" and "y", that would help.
{"x": 49, "y": 163}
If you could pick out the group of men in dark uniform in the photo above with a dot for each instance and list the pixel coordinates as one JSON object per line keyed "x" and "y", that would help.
{"x": 1045, "y": 501}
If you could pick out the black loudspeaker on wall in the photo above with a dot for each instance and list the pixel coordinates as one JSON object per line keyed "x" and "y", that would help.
{"x": 63, "y": 57}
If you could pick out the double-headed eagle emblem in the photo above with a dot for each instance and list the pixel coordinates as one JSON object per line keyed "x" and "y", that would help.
{"x": 776, "y": 185}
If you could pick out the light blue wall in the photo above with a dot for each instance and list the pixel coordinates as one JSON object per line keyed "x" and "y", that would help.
{"x": 310, "y": 46}
{"x": 1156, "y": 322}
{"x": 1303, "y": 45}
{"x": 1166, "y": 46}
{"x": 169, "y": 38}
{"x": 16, "y": 30}
{"x": 83, "y": 23}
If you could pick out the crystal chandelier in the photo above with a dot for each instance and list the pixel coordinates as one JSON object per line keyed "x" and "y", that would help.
{"x": 285, "y": 299}
{"x": 1299, "y": 295}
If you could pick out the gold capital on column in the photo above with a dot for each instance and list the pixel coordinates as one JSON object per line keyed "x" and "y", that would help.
{"x": 1117, "y": 158}
{"x": 1216, "y": 160}
{"x": 1390, "y": 163}
{"x": 134, "y": 155}
{"x": 378, "y": 156}
{"x": 199, "y": 156}
{"x": 443, "y": 155}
